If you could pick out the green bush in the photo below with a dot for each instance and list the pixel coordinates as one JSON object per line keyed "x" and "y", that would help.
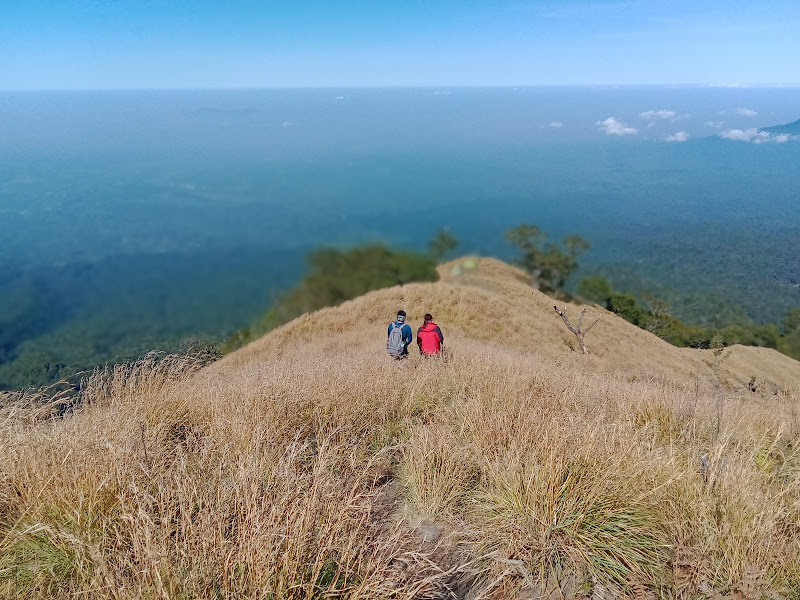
{"x": 766, "y": 335}
{"x": 596, "y": 289}
{"x": 790, "y": 344}
{"x": 791, "y": 323}
{"x": 625, "y": 306}
{"x": 441, "y": 244}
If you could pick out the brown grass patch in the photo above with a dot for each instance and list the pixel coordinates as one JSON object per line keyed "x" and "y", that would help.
{"x": 310, "y": 465}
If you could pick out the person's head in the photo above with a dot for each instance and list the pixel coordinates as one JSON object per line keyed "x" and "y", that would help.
{"x": 401, "y": 316}
{"x": 428, "y": 317}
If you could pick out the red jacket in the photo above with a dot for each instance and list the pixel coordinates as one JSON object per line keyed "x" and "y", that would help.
{"x": 430, "y": 338}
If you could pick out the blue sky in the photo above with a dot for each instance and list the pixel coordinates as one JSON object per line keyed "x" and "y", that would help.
{"x": 109, "y": 44}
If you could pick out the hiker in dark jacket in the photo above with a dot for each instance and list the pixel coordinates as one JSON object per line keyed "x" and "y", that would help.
{"x": 429, "y": 337}
{"x": 399, "y": 336}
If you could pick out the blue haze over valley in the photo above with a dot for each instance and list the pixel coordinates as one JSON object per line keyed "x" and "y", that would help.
{"x": 154, "y": 216}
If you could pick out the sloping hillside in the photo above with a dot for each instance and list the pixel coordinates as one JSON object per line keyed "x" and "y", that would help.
{"x": 492, "y": 303}
{"x": 311, "y": 465}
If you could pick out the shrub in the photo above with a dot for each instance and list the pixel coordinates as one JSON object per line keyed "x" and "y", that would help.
{"x": 596, "y": 289}
{"x": 442, "y": 243}
{"x": 549, "y": 264}
{"x": 625, "y": 306}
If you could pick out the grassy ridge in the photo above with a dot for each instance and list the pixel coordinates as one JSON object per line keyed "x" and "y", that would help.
{"x": 310, "y": 466}
{"x": 337, "y": 275}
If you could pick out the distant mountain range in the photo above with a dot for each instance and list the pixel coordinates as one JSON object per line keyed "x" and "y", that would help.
{"x": 790, "y": 128}
{"x": 759, "y": 135}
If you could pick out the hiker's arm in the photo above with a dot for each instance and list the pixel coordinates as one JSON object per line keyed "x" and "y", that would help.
{"x": 441, "y": 336}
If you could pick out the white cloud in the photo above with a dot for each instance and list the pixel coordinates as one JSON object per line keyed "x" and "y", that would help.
{"x": 746, "y": 112}
{"x": 680, "y": 136}
{"x": 613, "y": 127}
{"x": 556, "y": 125}
{"x": 758, "y": 137}
{"x": 746, "y": 135}
{"x": 715, "y": 124}
{"x": 658, "y": 114}
{"x": 780, "y": 138}
{"x": 729, "y": 85}
{"x": 287, "y": 124}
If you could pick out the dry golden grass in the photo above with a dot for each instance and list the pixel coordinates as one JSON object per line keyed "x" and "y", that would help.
{"x": 310, "y": 465}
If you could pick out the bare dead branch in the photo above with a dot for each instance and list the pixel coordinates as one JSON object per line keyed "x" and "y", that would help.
{"x": 592, "y": 325}
{"x": 577, "y": 331}
{"x": 563, "y": 315}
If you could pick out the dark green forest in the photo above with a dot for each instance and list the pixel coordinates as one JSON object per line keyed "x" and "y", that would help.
{"x": 58, "y": 321}
{"x": 711, "y": 274}
{"x": 551, "y": 263}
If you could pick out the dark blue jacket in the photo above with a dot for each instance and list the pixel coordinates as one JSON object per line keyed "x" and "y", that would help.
{"x": 408, "y": 335}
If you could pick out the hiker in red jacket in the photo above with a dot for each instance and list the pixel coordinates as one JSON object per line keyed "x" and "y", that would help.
{"x": 429, "y": 337}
